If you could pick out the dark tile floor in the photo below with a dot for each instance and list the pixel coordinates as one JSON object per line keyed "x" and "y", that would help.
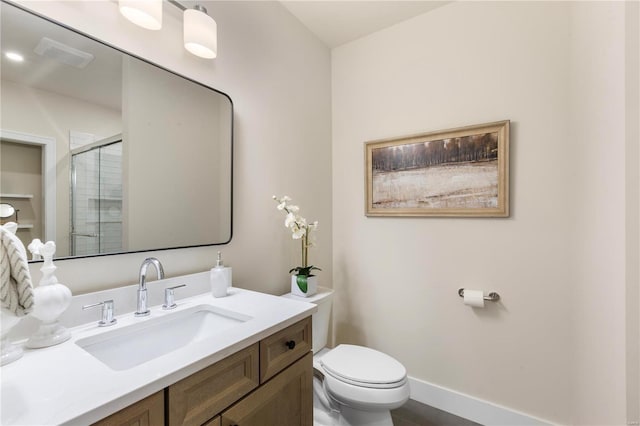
{"x": 414, "y": 413}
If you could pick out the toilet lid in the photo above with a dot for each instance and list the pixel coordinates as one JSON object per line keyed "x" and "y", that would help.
{"x": 363, "y": 366}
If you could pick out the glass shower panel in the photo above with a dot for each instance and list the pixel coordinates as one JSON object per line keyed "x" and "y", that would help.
{"x": 110, "y": 201}
{"x": 96, "y": 200}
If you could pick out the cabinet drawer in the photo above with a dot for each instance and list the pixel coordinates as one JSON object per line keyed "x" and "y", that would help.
{"x": 283, "y": 348}
{"x": 147, "y": 412}
{"x": 199, "y": 397}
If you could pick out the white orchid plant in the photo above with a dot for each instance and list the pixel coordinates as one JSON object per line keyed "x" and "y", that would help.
{"x": 300, "y": 230}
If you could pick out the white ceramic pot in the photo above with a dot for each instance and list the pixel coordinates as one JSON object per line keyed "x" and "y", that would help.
{"x": 312, "y": 286}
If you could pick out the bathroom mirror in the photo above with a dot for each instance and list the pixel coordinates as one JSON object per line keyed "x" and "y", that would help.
{"x": 143, "y": 156}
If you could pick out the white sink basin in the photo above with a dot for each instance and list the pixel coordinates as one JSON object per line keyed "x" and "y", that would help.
{"x": 132, "y": 345}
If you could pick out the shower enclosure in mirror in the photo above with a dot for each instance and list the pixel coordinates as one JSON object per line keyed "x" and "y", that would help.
{"x": 96, "y": 198}
{"x": 71, "y": 94}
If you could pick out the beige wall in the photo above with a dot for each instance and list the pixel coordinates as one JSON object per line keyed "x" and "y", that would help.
{"x": 632, "y": 220}
{"x": 597, "y": 120}
{"x": 49, "y": 114}
{"x": 555, "y": 346}
{"x": 278, "y": 76}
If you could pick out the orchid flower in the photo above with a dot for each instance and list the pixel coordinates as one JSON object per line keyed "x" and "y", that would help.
{"x": 300, "y": 230}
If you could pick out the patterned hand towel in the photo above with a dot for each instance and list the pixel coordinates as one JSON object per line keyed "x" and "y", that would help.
{"x": 16, "y": 290}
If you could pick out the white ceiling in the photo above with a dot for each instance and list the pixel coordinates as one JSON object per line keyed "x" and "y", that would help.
{"x": 336, "y": 22}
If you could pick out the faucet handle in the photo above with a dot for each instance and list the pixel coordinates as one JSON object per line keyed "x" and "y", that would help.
{"x": 169, "y": 301}
{"x": 107, "y": 312}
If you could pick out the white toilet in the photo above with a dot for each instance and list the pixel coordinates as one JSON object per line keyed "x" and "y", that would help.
{"x": 352, "y": 385}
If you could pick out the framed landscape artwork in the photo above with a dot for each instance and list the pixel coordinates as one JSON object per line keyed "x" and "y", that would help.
{"x": 460, "y": 172}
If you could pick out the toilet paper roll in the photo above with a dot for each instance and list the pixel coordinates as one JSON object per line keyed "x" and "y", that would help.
{"x": 474, "y": 298}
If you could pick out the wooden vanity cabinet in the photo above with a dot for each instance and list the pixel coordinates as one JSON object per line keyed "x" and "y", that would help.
{"x": 266, "y": 384}
{"x": 274, "y": 376}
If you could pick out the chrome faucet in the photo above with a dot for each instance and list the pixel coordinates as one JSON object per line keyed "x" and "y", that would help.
{"x": 142, "y": 287}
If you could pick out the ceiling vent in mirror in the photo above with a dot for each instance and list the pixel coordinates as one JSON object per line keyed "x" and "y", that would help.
{"x": 62, "y": 53}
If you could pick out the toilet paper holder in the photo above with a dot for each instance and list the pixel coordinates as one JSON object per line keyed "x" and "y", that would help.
{"x": 491, "y": 297}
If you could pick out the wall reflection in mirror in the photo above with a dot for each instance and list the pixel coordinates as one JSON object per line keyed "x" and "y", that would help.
{"x": 106, "y": 153}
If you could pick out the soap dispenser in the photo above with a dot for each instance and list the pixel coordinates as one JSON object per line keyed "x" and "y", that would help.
{"x": 220, "y": 278}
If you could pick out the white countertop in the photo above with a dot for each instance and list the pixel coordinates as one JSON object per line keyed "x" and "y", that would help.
{"x": 63, "y": 384}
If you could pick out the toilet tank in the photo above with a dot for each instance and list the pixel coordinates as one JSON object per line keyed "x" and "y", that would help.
{"x": 319, "y": 320}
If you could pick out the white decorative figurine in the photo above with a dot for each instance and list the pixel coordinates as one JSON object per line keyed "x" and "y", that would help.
{"x": 51, "y": 300}
{"x": 16, "y": 291}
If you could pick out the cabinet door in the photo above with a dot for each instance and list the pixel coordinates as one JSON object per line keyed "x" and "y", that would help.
{"x": 285, "y": 400}
{"x": 148, "y": 412}
{"x": 199, "y": 397}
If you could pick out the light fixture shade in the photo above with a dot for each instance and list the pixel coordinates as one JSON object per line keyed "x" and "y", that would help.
{"x": 144, "y": 13}
{"x": 200, "y": 33}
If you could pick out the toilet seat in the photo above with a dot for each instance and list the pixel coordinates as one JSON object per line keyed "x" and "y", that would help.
{"x": 366, "y": 367}
{"x": 363, "y": 398}
{"x": 364, "y": 378}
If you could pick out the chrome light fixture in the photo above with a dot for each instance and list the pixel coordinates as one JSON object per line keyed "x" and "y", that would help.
{"x": 144, "y": 13}
{"x": 200, "y": 33}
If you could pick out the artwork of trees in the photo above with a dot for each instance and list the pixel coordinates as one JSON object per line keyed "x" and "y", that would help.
{"x": 461, "y": 172}
{"x": 473, "y": 148}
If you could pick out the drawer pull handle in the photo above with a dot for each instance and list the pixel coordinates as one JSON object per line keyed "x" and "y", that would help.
{"x": 291, "y": 344}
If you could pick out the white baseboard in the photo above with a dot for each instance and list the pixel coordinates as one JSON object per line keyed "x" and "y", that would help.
{"x": 469, "y": 407}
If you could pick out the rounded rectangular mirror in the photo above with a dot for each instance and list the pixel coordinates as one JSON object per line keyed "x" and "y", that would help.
{"x": 109, "y": 153}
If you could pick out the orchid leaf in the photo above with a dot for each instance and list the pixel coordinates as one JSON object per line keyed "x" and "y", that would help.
{"x": 302, "y": 283}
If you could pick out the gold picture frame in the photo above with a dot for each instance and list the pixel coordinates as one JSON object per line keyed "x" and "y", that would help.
{"x": 461, "y": 172}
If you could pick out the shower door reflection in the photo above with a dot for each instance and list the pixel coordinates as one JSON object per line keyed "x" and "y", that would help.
{"x": 96, "y": 199}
